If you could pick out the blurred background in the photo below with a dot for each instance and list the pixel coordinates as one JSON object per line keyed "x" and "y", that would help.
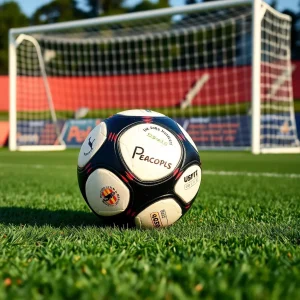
{"x": 19, "y": 13}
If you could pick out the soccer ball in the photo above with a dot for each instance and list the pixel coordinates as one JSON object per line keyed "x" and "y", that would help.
{"x": 139, "y": 167}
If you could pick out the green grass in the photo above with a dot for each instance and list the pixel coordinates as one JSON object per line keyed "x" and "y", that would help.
{"x": 241, "y": 238}
{"x": 175, "y": 112}
{"x": 194, "y": 111}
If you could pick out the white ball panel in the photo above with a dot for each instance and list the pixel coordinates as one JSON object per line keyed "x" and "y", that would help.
{"x": 160, "y": 214}
{"x": 106, "y": 193}
{"x": 189, "y": 183}
{"x": 92, "y": 144}
{"x": 150, "y": 151}
{"x": 140, "y": 113}
{"x": 188, "y": 137}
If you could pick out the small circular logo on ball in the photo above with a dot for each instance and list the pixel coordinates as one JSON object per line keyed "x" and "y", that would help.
{"x": 156, "y": 221}
{"x": 109, "y": 196}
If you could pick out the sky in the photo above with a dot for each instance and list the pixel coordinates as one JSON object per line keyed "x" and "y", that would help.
{"x": 29, "y": 6}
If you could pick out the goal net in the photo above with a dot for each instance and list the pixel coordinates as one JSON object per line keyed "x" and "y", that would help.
{"x": 192, "y": 63}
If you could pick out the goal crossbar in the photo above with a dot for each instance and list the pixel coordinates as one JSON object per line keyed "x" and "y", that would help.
{"x": 131, "y": 16}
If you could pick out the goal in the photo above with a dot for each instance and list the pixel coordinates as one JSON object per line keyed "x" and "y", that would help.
{"x": 221, "y": 69}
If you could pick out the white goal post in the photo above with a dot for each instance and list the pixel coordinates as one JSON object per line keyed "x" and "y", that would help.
{"x": 221, "y": 69}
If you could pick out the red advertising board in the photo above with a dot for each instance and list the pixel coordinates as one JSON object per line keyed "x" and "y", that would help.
{"x": 3, "y": 133}
{"x": 225, "y": 85}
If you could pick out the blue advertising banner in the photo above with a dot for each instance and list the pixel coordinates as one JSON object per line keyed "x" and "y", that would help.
{"x": 278, "y": 131}
{"x": 37, "y": 132}
{"x": 297, "y": 116}
{"x": 75, "y": 131}
{"x": 209, "y": 132}
{"x": 206, "y": 132}
{"x": 216, "y": 132}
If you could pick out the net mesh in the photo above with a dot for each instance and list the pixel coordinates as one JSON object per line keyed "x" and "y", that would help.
{"x": 278, "y": 128}
{"x": 195, "y": 68}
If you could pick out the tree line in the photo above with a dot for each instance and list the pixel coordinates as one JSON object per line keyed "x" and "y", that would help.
{"x": 11, "y": 16}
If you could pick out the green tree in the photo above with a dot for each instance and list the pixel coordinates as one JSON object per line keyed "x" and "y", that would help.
{"x": 294, "y": 33}
{"x": 187, "y": 2}
{"x": 274, "y": 3}
{"x": 114, "y": 7}
{"x": 11, "y": 16}
{"x": 105, "y": 7}
{"x": 148, "y": 5}
{"x": 58, "y": 11}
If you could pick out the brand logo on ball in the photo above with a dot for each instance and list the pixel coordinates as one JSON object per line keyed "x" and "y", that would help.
{"x": 156, "y": 219}
{"x": 190, "y": 180}
{"x": 109, "y": 196}
{"x": 139, "y": 152}
{"x": 90, "y": 143}
{"x": 159, "y": 135}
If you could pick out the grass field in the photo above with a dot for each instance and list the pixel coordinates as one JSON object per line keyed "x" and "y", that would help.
{"x": 194, "y": 111}
{"x": 241, "y": 238}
